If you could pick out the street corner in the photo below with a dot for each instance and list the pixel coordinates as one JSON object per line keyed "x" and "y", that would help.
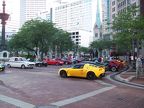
{"x": 131, "y": 77}
{"x": 139, "y": 80}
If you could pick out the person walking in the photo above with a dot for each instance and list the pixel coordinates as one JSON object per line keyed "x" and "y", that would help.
{"x": 142, "y": 59}
{"x": 138, "y": 66}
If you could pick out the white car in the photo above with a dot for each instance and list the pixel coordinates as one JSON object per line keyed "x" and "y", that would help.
{"x": 19, "y": 62}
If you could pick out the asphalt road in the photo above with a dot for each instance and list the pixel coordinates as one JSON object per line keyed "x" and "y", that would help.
{"x": 41, "y": 87}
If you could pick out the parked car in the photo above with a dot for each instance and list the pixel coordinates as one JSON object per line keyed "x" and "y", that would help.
{"x": 53, "y": 61}
{"x": 88, "y": 71}
{"x": 65, "y": 60}
{"x": 114, "y": 65}
{"x": 19, "y": 62}
{"x": 2, "y": 67}
{"x": 41, "y": 64}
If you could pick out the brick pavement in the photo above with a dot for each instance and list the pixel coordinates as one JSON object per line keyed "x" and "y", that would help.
{"x": 130, "y": 76}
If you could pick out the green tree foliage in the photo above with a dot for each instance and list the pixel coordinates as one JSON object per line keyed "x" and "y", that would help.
{"x": 84, "y": 49}
{"x": 101, "y": 44}
{"x": 40, "y": 34}
{"x": 128, "y": 27}
{"x": 62, "y": 41}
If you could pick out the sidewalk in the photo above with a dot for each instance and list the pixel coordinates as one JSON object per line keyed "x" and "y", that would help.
{"x": 130, "y": 77}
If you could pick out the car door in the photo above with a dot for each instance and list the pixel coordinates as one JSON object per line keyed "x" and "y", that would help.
{"x": 77, "y": 71}
{"x": 16, "y": 62}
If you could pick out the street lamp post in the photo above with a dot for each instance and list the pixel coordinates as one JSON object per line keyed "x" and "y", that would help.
{"x": 3, "y": 16}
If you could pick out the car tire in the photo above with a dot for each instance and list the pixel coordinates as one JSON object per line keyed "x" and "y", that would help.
{"x": 8, "y": 65}
{"x": 39, "y": 65}
{"x": 101, "y": 76}
{"x": 63, "y": 74}
{"x": 23, "y": 66}
{"x": 91, "y": 76}
{"x": 113, "y": 69}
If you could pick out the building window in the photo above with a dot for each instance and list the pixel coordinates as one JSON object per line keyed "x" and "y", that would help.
{"x": 77, "y": 36}
{"x": 77, "y": 43}
{"x": 77, "y": 39}
{"x": 77, "y": 33}
{"x": 113, "y": 3}
{"x": 73, "y": 37}
{"x": 113, "y": 9}
{"x": 113, "y": 16}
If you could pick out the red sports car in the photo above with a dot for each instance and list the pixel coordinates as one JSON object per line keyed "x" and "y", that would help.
{"x": 53, "y": 61}
{"x": 114, "y": 65}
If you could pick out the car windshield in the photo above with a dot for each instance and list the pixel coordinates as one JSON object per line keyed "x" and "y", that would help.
{"x": 78, "y": 66}
{"x": 23, "y": 59}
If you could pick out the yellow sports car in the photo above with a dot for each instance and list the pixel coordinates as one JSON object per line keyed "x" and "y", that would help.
{"x": 88, "y": 71}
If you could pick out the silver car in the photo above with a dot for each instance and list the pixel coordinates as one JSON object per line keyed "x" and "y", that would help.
{"x": 19, "y": 62}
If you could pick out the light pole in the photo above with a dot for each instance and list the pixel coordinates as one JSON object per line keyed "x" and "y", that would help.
{"x": 3, "y": 16}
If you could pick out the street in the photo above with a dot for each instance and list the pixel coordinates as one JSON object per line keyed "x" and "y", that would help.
{"x": 42, "y": 87}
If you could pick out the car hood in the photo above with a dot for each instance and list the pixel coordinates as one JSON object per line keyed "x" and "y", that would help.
{"x": 28, "y": 62}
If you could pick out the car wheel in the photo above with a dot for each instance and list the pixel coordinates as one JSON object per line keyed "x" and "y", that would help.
{"x": 91, "y": 76}
{"x": 9, "y": 66}
{"x": 63, "y": 74}
{"x": 45, "y": 65}
{"x": 101, "y": 76}
{"x": 39, "y": 65}
{"x": 113, "y": 69}
{"x": 23, "y": 66}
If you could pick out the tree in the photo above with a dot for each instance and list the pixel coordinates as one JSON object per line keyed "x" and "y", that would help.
{"x": 34, "y": 34}
{"x": 62, "y": 41}
{"x": 128, "y": 28}
{"x": 101, "y": 44}
{"x": 40, "y": 35}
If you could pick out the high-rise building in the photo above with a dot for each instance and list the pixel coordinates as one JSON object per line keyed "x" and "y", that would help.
{"x": 47, "y": 14}
{"x": 142, "y": 7}
{"x": 97, "y": 25}
{"x": 77, "y": 17}
{"x": 106, "y": 20}
{"x": 118, "y": 6}
{"x": 29, "y": 9}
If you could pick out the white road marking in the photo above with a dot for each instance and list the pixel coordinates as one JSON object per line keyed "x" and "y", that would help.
{"x": 16, "y": 102}
{"x": 82, "y": 97}
{"x": 103, "y": 83}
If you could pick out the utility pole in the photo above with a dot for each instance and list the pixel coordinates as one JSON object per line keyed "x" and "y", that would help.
{"x": 3, "y": 16}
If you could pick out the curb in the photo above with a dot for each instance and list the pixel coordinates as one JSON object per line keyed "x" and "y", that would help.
{"x": 116, "y": 78}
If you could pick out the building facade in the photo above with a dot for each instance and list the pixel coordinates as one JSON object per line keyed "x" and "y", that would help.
{"x": 46, "y": 15}
{"x": 106, "y": 31}
{"x": 77, "y": 16}
{"x": 142, "y": 7}
{"x": 118, "y": 6}
{"x": 29, "y": 9}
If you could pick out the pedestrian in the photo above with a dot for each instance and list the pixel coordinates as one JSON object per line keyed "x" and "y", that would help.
{"x": 142, "y": 59}
{"x": 138, "y": 66}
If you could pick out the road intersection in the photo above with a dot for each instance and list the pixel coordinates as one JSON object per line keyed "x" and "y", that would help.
{"x": 41, "y": 87}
